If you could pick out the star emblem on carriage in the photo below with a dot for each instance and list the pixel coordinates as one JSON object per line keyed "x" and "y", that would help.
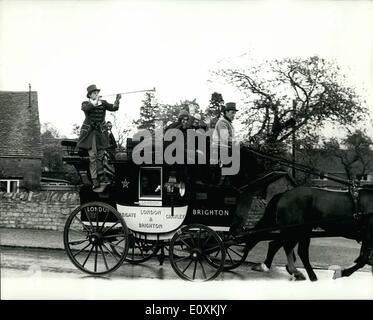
{"x": 125, "y": 183}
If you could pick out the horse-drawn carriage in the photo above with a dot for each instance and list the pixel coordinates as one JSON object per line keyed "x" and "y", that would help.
{"x": 180, "y": 211}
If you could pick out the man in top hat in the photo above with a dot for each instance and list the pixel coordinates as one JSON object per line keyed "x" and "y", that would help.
{"x": 93, "y": 135}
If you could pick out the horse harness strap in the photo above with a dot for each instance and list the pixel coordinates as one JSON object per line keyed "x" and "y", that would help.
{"x": 354, "y": 192}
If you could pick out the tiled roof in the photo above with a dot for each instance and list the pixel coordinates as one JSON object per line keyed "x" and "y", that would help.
{"x": 19, "y": 124}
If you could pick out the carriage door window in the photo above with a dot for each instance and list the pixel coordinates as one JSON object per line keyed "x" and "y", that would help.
{"x": 150, "y": 183}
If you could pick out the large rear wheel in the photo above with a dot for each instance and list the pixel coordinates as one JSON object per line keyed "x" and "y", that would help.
{"x": 91, "y": 232}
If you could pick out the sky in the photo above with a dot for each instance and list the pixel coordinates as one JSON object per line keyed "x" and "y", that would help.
{"x": 61, "y": 47}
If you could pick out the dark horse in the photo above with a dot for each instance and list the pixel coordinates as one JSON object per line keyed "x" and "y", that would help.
{"x": 298, "y": 211}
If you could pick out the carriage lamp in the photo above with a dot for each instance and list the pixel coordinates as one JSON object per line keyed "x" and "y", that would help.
{"x": 172, "y": 186}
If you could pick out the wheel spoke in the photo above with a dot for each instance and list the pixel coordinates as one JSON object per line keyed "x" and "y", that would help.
{"x": 81, "y": 250}
{"x": 192, "y": 239}
{"x": 97, "y": 215}
{"x": 116, "y": 245}
{"x": 103, "y": 255}
{"x": 211, "y": 249}
{"x": 181, "y": 259}
{"x": 183, "y": 241}
{"x": 121, "y": 240}
{"x": 113, "y": 255}
{"x": 115, "y": 250}
{"x": 78, "y": 241}
{"x": 234, "y": 251}
{"x": 89, "y": 254}
{"x": 80, "y": 221}
{"x": 114, "y": 236}
{"x": 89, "y": 219}
{"x": 111, "y": 227}
{"x": 203, "y": 269}
{"x": 103, "y": 223}
{"x": 199, "y": 237}
{"x": 195, "y": 269}
{"x": 96, "y": 258}
{"x": 229, "y": 256}
{"x": 206, "y": 241}
{"x": 185, "y": 269}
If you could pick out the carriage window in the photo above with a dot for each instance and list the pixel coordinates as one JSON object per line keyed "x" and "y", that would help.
{"x": 150, "y": 184}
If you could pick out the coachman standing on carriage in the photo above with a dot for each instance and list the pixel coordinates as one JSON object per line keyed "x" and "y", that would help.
{"x": 93, "y": 135}
{"x": 224, "y": 136}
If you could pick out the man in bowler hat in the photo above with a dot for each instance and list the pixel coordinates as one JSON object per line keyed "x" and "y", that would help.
{"x": 224, "y": 131}
{"x": 224, "y": 136}
{"x": 93, "y": 136}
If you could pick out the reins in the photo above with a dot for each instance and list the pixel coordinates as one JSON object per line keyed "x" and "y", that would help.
{"x": 299, "y": 166}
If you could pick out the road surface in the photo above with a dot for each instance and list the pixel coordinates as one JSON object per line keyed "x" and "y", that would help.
{"x": 48, "y": 274}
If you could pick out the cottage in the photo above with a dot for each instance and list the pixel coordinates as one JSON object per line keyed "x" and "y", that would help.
{"x": 20, "y": 144}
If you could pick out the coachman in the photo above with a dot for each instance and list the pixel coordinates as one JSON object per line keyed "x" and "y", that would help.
{"x": 93, "y": 134}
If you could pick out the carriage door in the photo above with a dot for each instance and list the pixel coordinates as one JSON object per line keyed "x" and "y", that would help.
{"x": 150, "y": 186}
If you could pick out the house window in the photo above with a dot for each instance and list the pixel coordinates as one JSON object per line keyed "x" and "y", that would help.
{"x": 9, "y": 185}
{"x": 362, "y": 177}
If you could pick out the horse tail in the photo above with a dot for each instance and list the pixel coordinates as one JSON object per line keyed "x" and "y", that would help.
{"x": 269, "y": 217}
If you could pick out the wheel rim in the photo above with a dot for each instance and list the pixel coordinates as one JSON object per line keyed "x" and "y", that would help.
{"x": 96, "y": 238}
{"x": 236, "y": 253}
{"x": 190, "y": 251}
{"x": 141, "y": 248}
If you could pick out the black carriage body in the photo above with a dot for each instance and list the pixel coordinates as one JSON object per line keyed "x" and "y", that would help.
{"x": 146, "y": 186}
{"x": 206, "y": 202}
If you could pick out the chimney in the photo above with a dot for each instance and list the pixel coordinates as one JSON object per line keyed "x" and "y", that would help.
{"x": 29, "y": 95}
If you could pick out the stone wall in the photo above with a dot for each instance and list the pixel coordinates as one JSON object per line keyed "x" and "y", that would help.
{"x": 37, "y": 210}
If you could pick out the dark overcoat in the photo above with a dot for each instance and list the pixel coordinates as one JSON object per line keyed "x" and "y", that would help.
{"x": 94, "y": 125}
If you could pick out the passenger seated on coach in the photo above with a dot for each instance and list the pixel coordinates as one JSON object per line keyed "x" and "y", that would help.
{"x": 198, "y": 123}
{"x": 112, "y": 144}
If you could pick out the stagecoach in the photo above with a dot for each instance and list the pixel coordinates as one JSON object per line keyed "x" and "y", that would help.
{"x": 183, "y": 212}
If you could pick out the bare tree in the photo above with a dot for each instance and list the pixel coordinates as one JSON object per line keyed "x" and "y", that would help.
{"x": 284, "y": 96}
{"x": 121, "y": 130}
{"x": 357, "y": 155}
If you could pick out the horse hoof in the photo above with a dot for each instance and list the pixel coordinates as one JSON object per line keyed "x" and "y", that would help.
{"x": 299, "y": 276}
{"x": 287, "y": 269}
{"x": 337, "y": 271}
{"x": 337, "y": 274}
{"x": 260, "y": 267}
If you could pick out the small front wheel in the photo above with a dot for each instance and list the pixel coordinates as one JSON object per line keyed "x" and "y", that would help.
{"x": 96, "y": 238}
{"x": 191, "y": 250}
{"x": 141, "y": 249}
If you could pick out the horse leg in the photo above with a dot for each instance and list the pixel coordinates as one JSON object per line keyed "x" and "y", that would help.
{"x": 273, "y": 247}
{"x": 289, "y": 250}
{"x": 360, "y": 262}
{"x": 303, "y": 252}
